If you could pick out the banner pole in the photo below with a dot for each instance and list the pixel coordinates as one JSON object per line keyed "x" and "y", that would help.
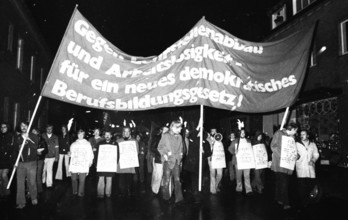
{"x": 24, "y": 139}
{"x": 284, "y": 118}
{"x": 200, "y": 150}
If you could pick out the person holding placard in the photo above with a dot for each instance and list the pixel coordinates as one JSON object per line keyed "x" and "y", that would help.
{"x": 233, "y": 162}
{"x": 261, "y": 162}
{"x": 81, "y": 160}
{"x": 171, "y": 150}
{"x": 305, "y": 167}
{"x": 94, "y": 140}
{"x": 284, "y": 156}
{"x": 216, "y": 161}
{"x": 245, "y": 161}
{"x": 105, "y": 178}
{"x": 128, "y": 160}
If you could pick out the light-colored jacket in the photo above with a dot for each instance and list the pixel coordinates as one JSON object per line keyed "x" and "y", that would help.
{"x": 308, "y": 152}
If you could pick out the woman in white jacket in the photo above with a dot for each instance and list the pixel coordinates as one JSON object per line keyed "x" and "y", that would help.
{"x": 305, "y": 166}
{"x": 81, "y": 160}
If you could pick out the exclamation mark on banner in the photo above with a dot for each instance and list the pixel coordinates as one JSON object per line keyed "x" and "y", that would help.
{"x": 240, "y": 100}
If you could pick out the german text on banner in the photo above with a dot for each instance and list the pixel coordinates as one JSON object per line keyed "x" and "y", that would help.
{"x": 208, "y": 66}
{"x": 288, "y": 154}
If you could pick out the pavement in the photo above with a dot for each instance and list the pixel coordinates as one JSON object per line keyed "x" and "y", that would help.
{"x": 59, "y": 203}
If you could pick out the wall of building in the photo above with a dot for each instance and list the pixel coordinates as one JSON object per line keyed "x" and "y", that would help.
{"x": 20, "y": 85}
{"x": 330, "y": 70}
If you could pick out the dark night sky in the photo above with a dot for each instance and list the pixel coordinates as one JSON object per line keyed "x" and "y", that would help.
{"x": 147, "y": 27}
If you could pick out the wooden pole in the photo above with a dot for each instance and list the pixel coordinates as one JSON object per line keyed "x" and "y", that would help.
{"x": 200, "y": 150}
{"x": 25, "y": 138}
{"x": 284, "y": 118}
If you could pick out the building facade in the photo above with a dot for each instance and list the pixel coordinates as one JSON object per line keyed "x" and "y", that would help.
{"x": 323, "y": 102}
{"x": 24, "y": 64}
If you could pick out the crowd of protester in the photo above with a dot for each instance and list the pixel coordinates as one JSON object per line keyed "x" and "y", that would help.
{"x": 169, "y": 163}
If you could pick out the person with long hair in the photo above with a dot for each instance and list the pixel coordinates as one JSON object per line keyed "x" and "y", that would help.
{"x": 64, "y": 145}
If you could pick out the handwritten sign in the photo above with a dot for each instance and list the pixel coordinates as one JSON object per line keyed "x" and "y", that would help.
{"x": 107, "y": 158}
{"x": 128, "y": 154}
{"x": 218, "y": 158}
{"x": 245, "y": 156}
{"x": 260, "y": 155}
{"x": 80, "y": 159}
{"x": 288, "y": 154}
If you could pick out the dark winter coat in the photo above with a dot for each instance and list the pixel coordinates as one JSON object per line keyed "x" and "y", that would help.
{"x": 6, "y": 150}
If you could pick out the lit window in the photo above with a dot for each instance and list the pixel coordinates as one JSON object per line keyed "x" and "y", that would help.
{"x": 10, "y": 38}
{"x": 299, "y": 5}
{"x": 344, "y": 37}
{"x": 279, "y": 17}
{"x": 32, "y": 68}
{"x": 20, "y": 54}
{"x": 313, "y": 57}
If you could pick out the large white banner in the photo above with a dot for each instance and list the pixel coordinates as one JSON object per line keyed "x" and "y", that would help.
{"x": 128, "y": 154}
{"x": 245, "y": 156}
{"x": 288, "y": 154}
{"x": 218, "y": 159}
{"x": 107, "y": 158}
{"x": 80, "y": 159}
{"x": 260, "y": 155}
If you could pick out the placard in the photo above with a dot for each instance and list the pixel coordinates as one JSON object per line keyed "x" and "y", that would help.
{"x": 260, "y": 156}
{"x": 245, "y": 156}
{"x": 107, "y": 158}
{"x": 218, "y": 159}
{"x": 128, "y": 154}
{"x": 288, "y": 154}
{"x": 80, "y": 159}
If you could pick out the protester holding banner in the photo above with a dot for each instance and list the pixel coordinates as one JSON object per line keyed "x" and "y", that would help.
{"x": 6, "y": 150}
{"x": 41, "y": 154}
{"x": 128, "y": 160}
{"x": 157, "y": 172}
{"x": 171, "y": 150}
{"x": 305, "y": 167}
{"x": 105, "y": 178}
{"x": 216, "y": 161}
{"x": 64, "y": 146}
{"x": 283, "y": 162}
{"x": 51, "y": 156}
{"x": 191, "y": 163}
{"x": 245, "y": 161}
{"x": 261, "y": 162}
{"x": 81, "y": 160}
{"x": 27, "y": 165}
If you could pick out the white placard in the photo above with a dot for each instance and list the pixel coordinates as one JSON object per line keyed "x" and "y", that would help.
{"x": 128, "y": 154}
{"x": 288, "y": 154}
{"x": 107, "y": 158}
{"x": 260, "y": 156}
{"x": 80, "y": 159}
{"x": 218, "y": 159}
{"x": 245, "y": 156}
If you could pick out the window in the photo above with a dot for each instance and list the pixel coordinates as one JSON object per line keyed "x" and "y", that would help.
{"x": 299, "y": 5}
{"x": 313, "y": 56}
{"x": 344, "y": 37}
{"x": 32, "y": 68}
{"x": 279, "y": 17}
{"x": 10, "y": 38}
{"x": 20, "y": 54}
